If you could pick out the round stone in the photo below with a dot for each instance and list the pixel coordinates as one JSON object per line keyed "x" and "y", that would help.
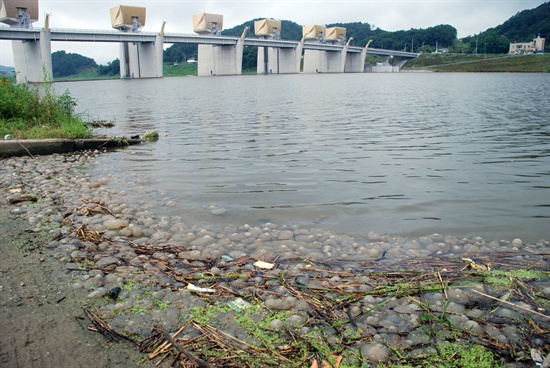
{"x": 375, "y": 353}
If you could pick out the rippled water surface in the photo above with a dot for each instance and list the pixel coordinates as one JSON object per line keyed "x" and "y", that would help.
{"x": 404, "y": 154}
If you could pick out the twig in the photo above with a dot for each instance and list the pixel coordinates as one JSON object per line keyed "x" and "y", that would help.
{"x": 165, "y": 345}
{"x": 201, "y": 363}
{"x": 512, "y": 304}
{"x": 25, "y": 148}
{"x": 105, "y": 329}
{"x": 443, "y": 285}
{"x": 104, "y": 208}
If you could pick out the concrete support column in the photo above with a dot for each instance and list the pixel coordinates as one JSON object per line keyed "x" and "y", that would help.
{"x": 315, "y": 61}
{"x": 159, "y": 56}
{"x": 221, "y": 60}
{"x": 142, "y": 59}
{"x": 274, "y": 60}
{"x": 33, "y": 59}
{"x": 124, "y": 56}
{"x": 46, "y": 54}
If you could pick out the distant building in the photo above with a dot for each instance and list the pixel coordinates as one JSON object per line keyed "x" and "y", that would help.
{"x": 534, "y": 47}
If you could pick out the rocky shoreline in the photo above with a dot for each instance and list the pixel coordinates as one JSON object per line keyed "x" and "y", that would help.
{"x": 313, "y": 297}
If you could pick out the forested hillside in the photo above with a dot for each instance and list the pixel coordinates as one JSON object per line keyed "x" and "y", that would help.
{"x": 522, "y": 27}
{"x": 64, "y": 64}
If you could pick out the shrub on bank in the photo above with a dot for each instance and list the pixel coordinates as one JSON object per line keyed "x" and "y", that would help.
{"x": 37, "y": 112}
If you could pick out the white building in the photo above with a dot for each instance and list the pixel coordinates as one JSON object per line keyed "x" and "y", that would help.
{"x": 534, "y": 47}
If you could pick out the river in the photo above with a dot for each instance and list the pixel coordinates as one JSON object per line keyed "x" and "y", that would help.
{"x": 406, "y": 154}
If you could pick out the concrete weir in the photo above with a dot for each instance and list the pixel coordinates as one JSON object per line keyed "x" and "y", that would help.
{"x": 35, "y": 147}
{"x": 321, "y": 49}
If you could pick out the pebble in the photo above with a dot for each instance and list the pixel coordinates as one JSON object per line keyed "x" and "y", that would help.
{"x": 375, "y": 353}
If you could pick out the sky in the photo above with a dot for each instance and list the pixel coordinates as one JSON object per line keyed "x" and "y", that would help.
{"x": 469, "y": 17}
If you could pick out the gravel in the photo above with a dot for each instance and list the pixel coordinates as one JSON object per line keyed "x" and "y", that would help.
{"x": 136, "y": 264}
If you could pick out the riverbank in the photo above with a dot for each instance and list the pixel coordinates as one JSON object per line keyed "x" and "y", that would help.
{"x": 482, "y": 63}
{"x": 433, "y": 300}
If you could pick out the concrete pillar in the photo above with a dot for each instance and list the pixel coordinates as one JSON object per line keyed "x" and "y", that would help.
{"x": 142, "y": 59}
{"x": 355, "y": 63}
{"x": 124, "y": 56}
{"x": 33, "y": 59}
{"x": 274, "y": 60}
{"x": 217, "y": 60}
{"x": 221, "y": 60}
{"x": 334, "y": 61}
{"x": 314, "y": 61}
{"x": 320, "y": 61}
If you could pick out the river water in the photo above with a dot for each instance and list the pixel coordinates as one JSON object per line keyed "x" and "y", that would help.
{"x": 406, "y": 154}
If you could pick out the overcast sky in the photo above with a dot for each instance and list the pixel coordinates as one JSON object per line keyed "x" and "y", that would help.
{"x": 467, "y": 16}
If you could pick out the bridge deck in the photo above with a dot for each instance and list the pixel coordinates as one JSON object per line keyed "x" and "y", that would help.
{"x": 76, "y": 35}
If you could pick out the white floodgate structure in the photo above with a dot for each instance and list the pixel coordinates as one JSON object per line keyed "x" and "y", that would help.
{"x": 137, "y": 59}
{"x": 337, "y": 60}
{"x": 32, "y": 59}
{"x": 217, "y": 59}
{"x": 276, "y": 60}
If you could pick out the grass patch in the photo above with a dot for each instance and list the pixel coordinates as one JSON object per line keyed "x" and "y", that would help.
{"x": 179, "y": 70}
{"x": 86, "y": 74}
{"x": 455, "y": 355}
{"x": 37, "y": 112}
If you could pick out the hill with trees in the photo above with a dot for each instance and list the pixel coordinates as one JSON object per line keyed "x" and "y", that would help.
{"x": 64, "y": 64}
{"x": 522, "y": 27}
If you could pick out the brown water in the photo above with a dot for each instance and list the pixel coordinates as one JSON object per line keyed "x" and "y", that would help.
{"x": 403, "y": 154}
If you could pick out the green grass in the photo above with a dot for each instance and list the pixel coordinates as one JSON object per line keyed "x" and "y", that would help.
{"x": 86, "y": 74}
{"x": 455, "y": 355}
{"x": 37, "y": 112}
{"x": 179, "y": 70}
{"x": 481, "y": 63}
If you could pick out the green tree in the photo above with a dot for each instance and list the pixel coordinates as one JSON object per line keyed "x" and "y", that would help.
{"x": 112, "y": 68}
{"x": 180, "y": 52}
{"x": 493, "y": 43}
